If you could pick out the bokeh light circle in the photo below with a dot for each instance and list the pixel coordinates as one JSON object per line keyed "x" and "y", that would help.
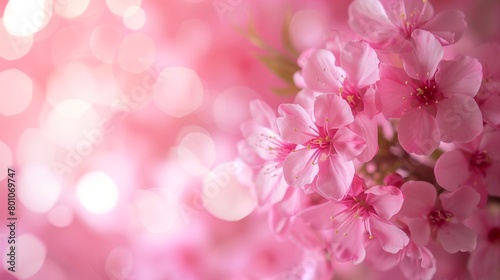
{"x": 119, "y": 7}
{"x": 196, "y": 153}
{"x": 226, "y": 196}
{"x": 5, "y": 159}
{"x": 71, "y": 8}
{"x": 26, "y": 17}
{"x": 41, "y": 188}
{"x": 136, "y": 53}
{"x": 194, "y": 38}
{"x": 16, "y": 93}
{"x": 178, "y": 91}
{"x": 13, "y": 47}
{"x": 97, "y": 192}
{"x": 307, "y": 29}
{"x": 30, "y": 256}
{"x": 134, "y": 18}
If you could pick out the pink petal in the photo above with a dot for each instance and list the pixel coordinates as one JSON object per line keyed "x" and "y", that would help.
{"x": 462, "y": 75}
{"x": 493, "y": 179}
{"x": 386, "y": 200}
{"x": 489, "y": 143}
{"x": 418, "y": 132}
{"x": 292, "y": 124}
{"x": 489, "y": 57}
{"x": 334, "y": 177}
{"x": 419, "y": 198}
{"x": 369, "y": 19}
{"x": 319, "y": 216}
{"x": 269, "y": 188}
{"x": 360, "y": 62}
{"x": 348, "y": 144}
{"x": 305, "y": 98}
{"x": 393, "y": 91}
{"x": 421, "y": 63}
{"x": 263, "y": 115}
{"x": 490, "y": 111}
{"x": 483, "y": 261}
{"x": 371, "y": 104}
{"x": 420, "y": 230}
{"x": 459, "y": 119}
{"x": 298, "y": 169}
{"x": 391, "y": 238}
{"x": 367, "y": 129}
{"x": 451, "y": 170}
{"x": 350, "y": 247}
{"x": 415, "y": 270}
{"x": 331, "y": 111}
{"x": 457, "y": 237}
{"x": 460, "y": 202}
{"x": 320, "y": 72}
{"x": 448, "y": 26}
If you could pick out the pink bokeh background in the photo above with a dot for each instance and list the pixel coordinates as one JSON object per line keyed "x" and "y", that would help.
{"x": 121, "y": 120}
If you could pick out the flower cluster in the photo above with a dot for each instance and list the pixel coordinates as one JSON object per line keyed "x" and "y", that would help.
{"x": 389, "y": 153}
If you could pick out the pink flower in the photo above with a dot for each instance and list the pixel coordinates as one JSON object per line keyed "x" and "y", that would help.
{"x": 444, "y": 223}
{"x": 484, "y": 260}
{"x": 476, "y": 163}
{"x": 434, "y": 98}
{"x": 264, "y": 149}
{"x": 388, "y": 24}
{"x": 326, "y": 147}
{"x": 361, "y": 217}
{"x": 488, "y": 96}
{"x": 354, "y": 81}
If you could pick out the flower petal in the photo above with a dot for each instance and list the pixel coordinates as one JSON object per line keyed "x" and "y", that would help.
{"x": 334, "y": 177}
{"x": 391, "y": 238}
{"x": 451, "y": 170}
{"x": 393, "y": 91}
{"x": 422, "y": 61}
{"x": 418, "y": 132}
{"x": 462, "y": 75}
{"x": 263, "y": 115}
{"x": 331, "y": 111}
{"x": 360, "y": 62}
{"x": 420, "y": 198}
{"x": 420, "y": 230}
{"x": 386, "y": 200}
{"x": 292, "y": 124}
{"x": 448, "y": 26}
{"x": 483, "y": 261}
{"x": 460, "y": 202}
{"x": 298, "y": 169}
{"x": 348, "y": 144}
{"x": 459, "y": 119}
{"x": 320, "y": 72}
{"x": 367, "y": 129}
{"x": 457, "y": 237}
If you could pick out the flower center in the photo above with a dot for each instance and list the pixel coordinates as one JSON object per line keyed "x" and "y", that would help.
{"x": 480, "y": 161}
{"x": 427, "y": 93}
{"x": 494, "y": 235}
{"x": 439, "y": 217}
{"x": 351, "y": 96}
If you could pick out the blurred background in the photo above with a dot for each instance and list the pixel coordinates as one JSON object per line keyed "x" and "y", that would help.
{"x": 121, "y": 120}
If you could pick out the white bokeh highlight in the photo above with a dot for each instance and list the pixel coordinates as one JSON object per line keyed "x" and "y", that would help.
{"x": 97, "y": 192}
{"x": 16, "y": 92}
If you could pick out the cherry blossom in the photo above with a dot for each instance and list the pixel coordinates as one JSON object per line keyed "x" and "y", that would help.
{"x": 433, "y": 97}
{"x": 265, "y": 149}
{"x": 475, "y": 163}
{"x": 483, "y": 261}
{"x": 389, "y": 24}
{"x": 442, "y": 222}
{"x": 325, "y": 146}
{"x": 363, "y": 216}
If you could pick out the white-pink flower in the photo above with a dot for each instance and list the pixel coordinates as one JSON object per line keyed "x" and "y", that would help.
{"x": 442, "y": 222}
{"x": 388, "y": 24}
{"x": 476, "y": 163}
{"x": 354, "y": 81}
{"x": 363, "y": 216}
{"x": 264, "y": 149}
{"x": 484, "y": 260}
{"x": 325, "y": 146}
{"x": 434, "y": 98}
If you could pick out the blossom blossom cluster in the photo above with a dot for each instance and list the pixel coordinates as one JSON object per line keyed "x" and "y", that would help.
{"x": 389, "y": 153}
